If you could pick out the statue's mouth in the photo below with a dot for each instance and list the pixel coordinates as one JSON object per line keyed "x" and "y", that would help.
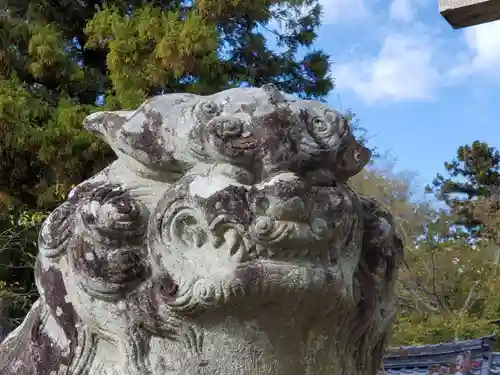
{"x": 292, "y": 241}
{"x": 264, "y": 266}
{"x": 221, "y": 241}
{"x": 281, "y": 242}
{"x": 311, "y": 243}
{"x": 309, "y": 256}
{"x": 272, "y": 280}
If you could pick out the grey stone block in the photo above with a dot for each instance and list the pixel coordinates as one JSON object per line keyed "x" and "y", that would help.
{"x": 466, "y": 13}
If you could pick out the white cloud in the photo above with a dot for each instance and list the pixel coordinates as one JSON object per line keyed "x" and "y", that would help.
{"x": 403, "y": 70}
{"x": 343, "y": 10}
{"x": 484, "y": 44}
{"x": 405, "y": 10}
{"x": 401, "y": 10}
{"x": 481, "y": 57}
{"x": 415, "y": 59}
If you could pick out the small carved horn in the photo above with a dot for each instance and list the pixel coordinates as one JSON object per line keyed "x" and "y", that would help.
{"x": 275, "y": 95}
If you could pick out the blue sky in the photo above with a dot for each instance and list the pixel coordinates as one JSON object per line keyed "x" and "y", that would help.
{"x": 419, "y": 87}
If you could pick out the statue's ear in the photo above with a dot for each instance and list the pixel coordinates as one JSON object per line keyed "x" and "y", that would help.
{"x": 275, "y": 95}
{"x": 353, "y": 159}
{"x": 106, "y": 124}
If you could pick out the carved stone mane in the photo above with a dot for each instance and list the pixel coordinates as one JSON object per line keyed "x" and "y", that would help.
{"x": 224, "y": 240}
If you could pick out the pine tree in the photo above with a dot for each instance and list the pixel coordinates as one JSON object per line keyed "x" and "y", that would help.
{"x": 471, "y": 191}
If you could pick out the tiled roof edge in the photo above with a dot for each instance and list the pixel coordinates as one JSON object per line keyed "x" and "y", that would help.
{"x": 481, "y": 343}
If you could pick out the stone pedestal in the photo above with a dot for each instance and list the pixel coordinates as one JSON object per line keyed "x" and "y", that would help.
{"x": 466, "y": 13}
{"x": 224, "y": 240}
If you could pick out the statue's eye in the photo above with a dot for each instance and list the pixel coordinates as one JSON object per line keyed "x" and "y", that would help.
{"x": 228, "y": 128}
{"x": 205, "y": 111}
{"x": 124, "y": 206}
{"x": 322, "y": 129}
{"x": 210, "y": 108}
{"x": 319, "y": 124}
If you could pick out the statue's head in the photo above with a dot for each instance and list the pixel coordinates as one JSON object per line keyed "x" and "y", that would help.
{"x": 226, "y": 226}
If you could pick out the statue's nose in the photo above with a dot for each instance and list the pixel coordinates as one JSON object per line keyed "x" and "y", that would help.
{"x": 289, "y": 204}
{"x": 293, "y": 209}
{"x": 166, "y": 287}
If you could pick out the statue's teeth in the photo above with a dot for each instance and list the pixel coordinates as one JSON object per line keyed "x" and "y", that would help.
{"x": 232, "y": 243}
{"x": 217, "y": 242}
{"x": 305, "y": 253}
{"x": 265, "y": 287}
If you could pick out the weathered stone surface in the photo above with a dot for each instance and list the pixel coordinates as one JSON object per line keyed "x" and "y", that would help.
{"x": 466, "y": 13}
{"x": 224, "y": 240}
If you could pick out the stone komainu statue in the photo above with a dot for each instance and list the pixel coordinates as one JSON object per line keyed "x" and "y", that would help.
{"x": 224, "y": 240}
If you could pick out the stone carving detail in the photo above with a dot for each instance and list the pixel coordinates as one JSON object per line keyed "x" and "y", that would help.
{"x": 224, "y": 240}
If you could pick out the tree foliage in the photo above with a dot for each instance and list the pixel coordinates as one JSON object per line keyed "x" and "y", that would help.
{"x": 447, "y": 291}
{"x": 473, "y": 176}
{"x": 60, "y": 59}
{"x": 451, "y": 287}
{"x": 395, "y": 192}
